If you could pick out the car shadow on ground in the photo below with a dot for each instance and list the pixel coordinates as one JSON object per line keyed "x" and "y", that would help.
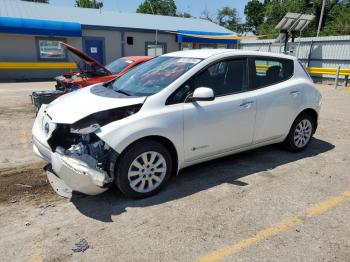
{"x": 198, "y": 178}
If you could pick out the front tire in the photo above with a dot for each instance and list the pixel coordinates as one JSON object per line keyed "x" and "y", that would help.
{"x": 143, "y": 169}
{"x": 300, "y": 133}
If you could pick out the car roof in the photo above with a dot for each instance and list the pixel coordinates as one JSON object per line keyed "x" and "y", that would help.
{"x": 206, "y": 53}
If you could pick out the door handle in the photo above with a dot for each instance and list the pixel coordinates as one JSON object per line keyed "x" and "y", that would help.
{"x": 294, "y": 93}
{"x": 247, "y": 104}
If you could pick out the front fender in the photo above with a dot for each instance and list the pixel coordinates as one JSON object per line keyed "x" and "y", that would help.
{"x": 122, "y": 133}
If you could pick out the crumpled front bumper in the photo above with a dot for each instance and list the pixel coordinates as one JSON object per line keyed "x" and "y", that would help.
{"x": 66, "y": 173}
{"x": 78, "y": 175}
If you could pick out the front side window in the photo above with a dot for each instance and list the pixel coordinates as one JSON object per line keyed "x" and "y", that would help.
{"x": 50, "y": 49}
{"x": 151, "y": 77}
{"x": 118, "y": 65}
{"x": 225, "y": 78}
{"x": 272, "y": 71}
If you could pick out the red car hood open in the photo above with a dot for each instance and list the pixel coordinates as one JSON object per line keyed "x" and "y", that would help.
{"x": 85, "y": 57}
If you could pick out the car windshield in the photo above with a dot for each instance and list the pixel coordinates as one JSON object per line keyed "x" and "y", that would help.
{"x": 153, "y": 76}
{"x": 118, "y": 65}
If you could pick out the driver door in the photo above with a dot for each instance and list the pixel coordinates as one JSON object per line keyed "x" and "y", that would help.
{"x": 226, "y": 123}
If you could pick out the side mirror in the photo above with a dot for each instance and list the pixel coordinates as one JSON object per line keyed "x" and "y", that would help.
{"x": 203, "y": 94}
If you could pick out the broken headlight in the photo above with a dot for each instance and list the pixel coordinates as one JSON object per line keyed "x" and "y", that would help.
{"x": 93, "y": 122}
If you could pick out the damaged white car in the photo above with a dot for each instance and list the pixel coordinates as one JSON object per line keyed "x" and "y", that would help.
{"x": 174, "y": 111}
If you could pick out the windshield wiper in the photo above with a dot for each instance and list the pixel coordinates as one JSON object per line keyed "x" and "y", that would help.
{"x": 109, "y": 83}
{"x": 122, "y": 92}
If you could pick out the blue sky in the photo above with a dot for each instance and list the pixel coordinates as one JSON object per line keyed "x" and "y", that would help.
{"x": 195, "y": 7}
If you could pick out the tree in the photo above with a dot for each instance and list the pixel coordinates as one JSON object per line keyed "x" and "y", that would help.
{"x": 339, "y": 23}
{"x": 38, "y": 1}
{"x": 330, "y": 5}
{"x": 228, "y": 18}
{"x": 183, "y": 14}
{"x": 206, "y": 15}
{"x": 89, "y": 4}
{"x": 158, "y": 7}
{"x": 262, "y": 18}
{"x": 255, "y": 13}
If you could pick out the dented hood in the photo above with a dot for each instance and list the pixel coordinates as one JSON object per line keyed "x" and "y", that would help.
{"x": 76, "y": 105}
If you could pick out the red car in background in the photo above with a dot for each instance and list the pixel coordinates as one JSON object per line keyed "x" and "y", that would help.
{"x": 92, "y": 72}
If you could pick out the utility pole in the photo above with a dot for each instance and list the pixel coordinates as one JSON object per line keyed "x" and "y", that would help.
{"x": 155, "y": 47}
{"x": 321, "y": 18}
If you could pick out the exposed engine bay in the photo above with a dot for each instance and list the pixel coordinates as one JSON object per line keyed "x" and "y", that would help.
{"x": 88, "y": 67}
{"x": 66, "y": 81}
{"x": 82, "y": 155}
{"x": 79, "y": 157}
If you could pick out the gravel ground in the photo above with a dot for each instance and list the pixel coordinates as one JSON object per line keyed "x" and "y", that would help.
{"x": 206, "y": 207}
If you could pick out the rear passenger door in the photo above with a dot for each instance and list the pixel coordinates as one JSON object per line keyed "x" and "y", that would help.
{"x": 278, "y": 96}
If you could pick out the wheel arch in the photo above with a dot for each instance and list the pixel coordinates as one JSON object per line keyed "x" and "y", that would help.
{"x": 164, "y": 141}
{"x": 311, "y": 112}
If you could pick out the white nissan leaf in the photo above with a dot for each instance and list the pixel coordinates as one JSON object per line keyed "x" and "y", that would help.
{"x": 174, "y": 111}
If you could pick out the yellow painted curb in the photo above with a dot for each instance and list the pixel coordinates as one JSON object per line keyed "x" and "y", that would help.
{"x": 38, "y": 65}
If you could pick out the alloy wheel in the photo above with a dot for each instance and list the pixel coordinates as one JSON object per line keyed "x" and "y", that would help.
{"x": 147, "y": 172}
{"x": 302, "y": 133}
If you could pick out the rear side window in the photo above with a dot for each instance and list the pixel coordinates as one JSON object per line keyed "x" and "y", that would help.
{"x": 304, "y": 69}
{"x": 271, "y": 71}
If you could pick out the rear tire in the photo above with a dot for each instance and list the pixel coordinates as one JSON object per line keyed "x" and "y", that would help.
{"x": 300, "y": 133}
{"x": 143, "y": 169}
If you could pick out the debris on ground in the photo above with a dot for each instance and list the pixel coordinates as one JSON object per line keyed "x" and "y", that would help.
{"x": 44, "y": 206}
{"x": 27, "y": 174}
{"x": 23, "y": 185}
{"x": 27, "y": 224}
{"x": 81, "y": 246}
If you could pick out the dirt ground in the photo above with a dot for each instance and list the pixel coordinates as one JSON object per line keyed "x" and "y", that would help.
{"x": 229, "y": 206}
{"x": 19, "y": 167}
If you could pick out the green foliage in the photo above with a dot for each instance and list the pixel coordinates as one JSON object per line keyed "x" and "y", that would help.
{"x": 38, "y": 1}
{"x": 183, "y": 14}
{"x": 261, "y": 18}
{"x": 88, "y": 4}
{"x": 228, "y": 17}
{"x": 255, "y": 13}
{"x": 158, "y": 7}
{"x": 339, "y": 21}
{"x": 206, "y": 15}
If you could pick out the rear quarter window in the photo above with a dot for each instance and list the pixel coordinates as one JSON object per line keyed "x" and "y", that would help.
{"x": 304, "y": 69}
